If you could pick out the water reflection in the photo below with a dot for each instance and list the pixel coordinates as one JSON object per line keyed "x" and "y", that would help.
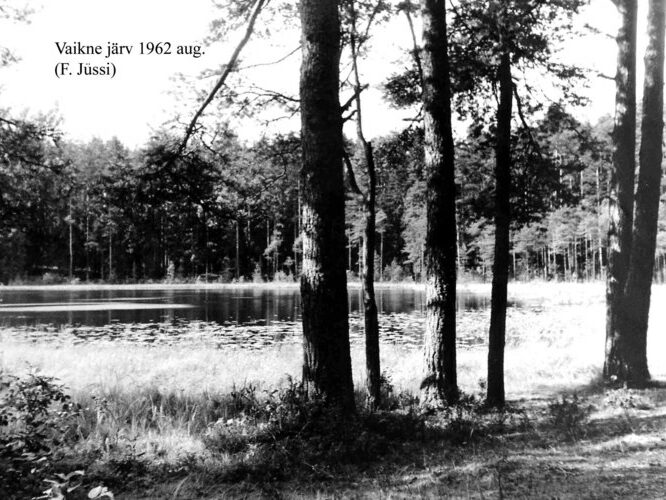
{"x": 240, "y": 306}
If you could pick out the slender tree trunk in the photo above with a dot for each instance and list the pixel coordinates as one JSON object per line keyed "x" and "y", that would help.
{"x": 633, "y": 324}
{"x": 497, "y": 334}
{"x": 371, "y": 321}
{"x": 110, "y": 255}
{"x": 71, "y": 242}
{"x": 599, "y": 228}
{"x": 237, "y": 250}
{"x": 440, "y": 378}
{"x": 373, "y": 368}
{"x": 586, "y": 256}
{"x": 327, "y": 361}
{"x": 621, "y": 195}
{"x": 297, "y": 232}
{"x": 87, "y": 248}
{"x": 381, "y": 256}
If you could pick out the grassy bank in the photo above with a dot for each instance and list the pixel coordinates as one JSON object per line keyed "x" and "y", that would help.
{"x": 158, "y": 429}
{"x": 188, "y": 421}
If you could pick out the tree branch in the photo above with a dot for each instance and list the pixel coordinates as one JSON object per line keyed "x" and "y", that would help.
{"x": 272, "y": 63}
{"x": 416, "y": 54}
{"x": 519, "y": 106}
{"x": 227, "y": 70}
{"x": 350, "y": 101}
{"x": 352, "y": 178}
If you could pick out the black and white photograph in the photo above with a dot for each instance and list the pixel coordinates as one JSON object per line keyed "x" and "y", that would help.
{"x": 294, "y": 249}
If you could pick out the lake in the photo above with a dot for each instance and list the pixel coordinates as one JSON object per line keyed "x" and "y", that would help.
{"x": 239, "y": 305}
{"x": 246, "y": 317}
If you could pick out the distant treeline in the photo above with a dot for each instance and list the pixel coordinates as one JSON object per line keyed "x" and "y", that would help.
{"x": 227, "y": 211}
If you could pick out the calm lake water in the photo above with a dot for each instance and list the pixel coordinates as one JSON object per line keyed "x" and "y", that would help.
{"x": 224, "y": 306}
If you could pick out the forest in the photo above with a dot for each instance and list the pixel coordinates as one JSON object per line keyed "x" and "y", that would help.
{"x": 228, "y": 212}
{"x": 549, "y": 382}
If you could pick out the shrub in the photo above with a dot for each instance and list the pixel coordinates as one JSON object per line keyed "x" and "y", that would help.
{"x": 49, "y": 278}
{"x": 256, "y": 274}
{"x": 282, "y": 277}
{"x": 570, "y": 416}
{"x": 394, "y": 272}
{"x": 36, "y": 419}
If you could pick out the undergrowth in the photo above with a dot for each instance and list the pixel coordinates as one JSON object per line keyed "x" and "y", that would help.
{"x": 52, "y": 447}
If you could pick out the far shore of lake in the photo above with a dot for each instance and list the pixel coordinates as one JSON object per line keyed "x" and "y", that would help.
{"x": 462, "y": 285}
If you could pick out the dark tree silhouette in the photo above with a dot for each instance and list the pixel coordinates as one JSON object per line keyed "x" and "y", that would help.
{"x": 327, "y": 361}
{"x": 368, "y": 201}
{"x": 633, "y": 323}
{"x": 439, "y": 384}
{"x": 617, "y": 363}
{"x": 497, "y": 332}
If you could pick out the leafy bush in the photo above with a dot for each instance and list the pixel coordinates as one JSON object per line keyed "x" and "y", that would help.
{"x": 36, "y": 420}
{"x": 394, "y": 272}
{"x": 570, "y": 416}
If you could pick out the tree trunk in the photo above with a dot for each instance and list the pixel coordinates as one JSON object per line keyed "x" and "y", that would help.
{"x": 71, "y": 242}
{"x": 621, "y": 190}
{"x": 439, "y": 383}
{"x": 599, "y": 228}
{"x": 372, "y": 363}
{"x": 237, "y": 250}
{"x": 381, "y": 256}
{"x": 87, "y": 248}
{"x": 327, "y": 361}
{"x": 371, "y": 321}
{"x": 110, "y": 256}
{"x": 633, "y": 323}
{"x": 497, "y": 334}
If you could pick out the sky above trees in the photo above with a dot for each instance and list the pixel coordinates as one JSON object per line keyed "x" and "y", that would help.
{"x": 147, "y": 91}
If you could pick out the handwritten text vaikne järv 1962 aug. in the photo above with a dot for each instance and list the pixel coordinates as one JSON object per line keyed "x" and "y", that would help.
{"x": 100, "y": 62}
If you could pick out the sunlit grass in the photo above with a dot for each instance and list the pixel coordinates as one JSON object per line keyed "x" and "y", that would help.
{"x": 162, "y": 399}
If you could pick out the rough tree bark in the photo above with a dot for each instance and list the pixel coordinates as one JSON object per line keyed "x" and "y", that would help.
{"x": 621, "y": 195}
{"x": 633, "y": 323}
{"x": 327, "y": 361}
{"x": 439, "y": 385}
{"x": 497, "y": 332}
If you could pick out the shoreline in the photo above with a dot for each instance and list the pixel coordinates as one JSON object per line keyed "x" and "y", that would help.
{"x": 353, "y": 285}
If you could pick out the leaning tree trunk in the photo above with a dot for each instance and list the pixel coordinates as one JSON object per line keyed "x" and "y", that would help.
{"x": 621, "y": 195}
{"x": 327, "y": 361}
{"x": 633, "y": 324}
{"x": 498, "y": 300}
{"x": 440, "y": 380}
